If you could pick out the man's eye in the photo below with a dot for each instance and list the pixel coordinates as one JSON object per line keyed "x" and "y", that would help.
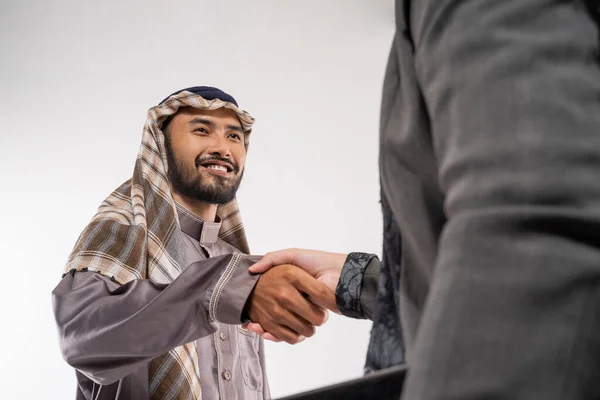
{"x": 201, "y": 130}
{"x": 235, "y": 136}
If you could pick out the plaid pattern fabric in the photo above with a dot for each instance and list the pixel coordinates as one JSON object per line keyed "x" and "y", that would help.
{"x": 135, "y": 234}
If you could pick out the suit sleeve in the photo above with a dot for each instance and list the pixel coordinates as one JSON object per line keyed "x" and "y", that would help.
{"x": 513, "y": 93}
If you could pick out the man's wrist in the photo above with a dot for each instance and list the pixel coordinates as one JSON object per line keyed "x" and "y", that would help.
{"x": 245, "y": 317}
{"x": 231, "y": 298}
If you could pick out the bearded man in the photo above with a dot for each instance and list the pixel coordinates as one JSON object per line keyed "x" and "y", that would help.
{"x": 157, "y": 286}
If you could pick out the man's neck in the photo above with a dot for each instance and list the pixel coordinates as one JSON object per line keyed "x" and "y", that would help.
{"x": 206, "y": 211}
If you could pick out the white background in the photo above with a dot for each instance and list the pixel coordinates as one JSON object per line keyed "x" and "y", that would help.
{"x": 76, "y": 79}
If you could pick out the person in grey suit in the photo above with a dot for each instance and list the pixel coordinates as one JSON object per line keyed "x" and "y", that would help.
{"x": 490, "y": 165}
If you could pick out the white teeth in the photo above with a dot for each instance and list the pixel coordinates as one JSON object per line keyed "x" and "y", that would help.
{"x": 217, "y": 167}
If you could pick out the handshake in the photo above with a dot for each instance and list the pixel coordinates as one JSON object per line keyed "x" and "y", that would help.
{"x": 293, "y": 294}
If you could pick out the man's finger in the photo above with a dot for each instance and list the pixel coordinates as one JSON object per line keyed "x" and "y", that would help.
{"x": 258, "y": 329}
{"x": 296, "y": 321}
{"x": 284, "y": 333}
{"x": 317, "y": 292}
{"x": 253, "y": 327}
{"x": 302, "y": 314}
{"x": 305, "y": 309}
{"x": 272, "y": 338}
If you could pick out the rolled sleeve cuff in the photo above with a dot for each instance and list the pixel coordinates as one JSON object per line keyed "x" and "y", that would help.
{"x": 233, "y": 289}
{"x": 370, "y": 283}
{"x": 349, "y": 288}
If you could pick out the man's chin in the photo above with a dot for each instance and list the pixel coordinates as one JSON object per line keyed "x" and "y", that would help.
{"x": 210, "y": 194}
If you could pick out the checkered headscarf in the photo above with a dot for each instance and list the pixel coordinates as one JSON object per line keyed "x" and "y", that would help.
{"x": 135, "y": 233}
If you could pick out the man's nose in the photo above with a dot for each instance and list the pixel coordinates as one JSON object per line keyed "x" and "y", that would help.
{"x": 220, "y": 146}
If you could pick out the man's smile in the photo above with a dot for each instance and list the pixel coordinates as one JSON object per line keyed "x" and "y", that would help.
{"x": 217, "y": 167}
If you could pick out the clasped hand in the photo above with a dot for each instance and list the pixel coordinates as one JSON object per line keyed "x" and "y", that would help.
{"x": 293, "y": 294}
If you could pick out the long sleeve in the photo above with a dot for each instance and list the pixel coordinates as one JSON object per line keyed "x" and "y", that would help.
{"x": 512, "y": 89}
{"x": 107, "y": 331}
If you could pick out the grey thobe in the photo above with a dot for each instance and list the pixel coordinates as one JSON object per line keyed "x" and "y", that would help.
{"x": 109, "y": 333}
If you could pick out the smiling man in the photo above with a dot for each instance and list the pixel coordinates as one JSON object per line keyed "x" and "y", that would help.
{"x": 157, "y": 286}
{"x": 208, "y": 178}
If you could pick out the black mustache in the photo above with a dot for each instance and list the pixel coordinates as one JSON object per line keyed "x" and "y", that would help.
{"x": 234, "y": 166}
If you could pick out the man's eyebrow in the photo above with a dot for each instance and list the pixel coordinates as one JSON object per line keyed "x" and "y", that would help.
{"x": 235, "y": 128}
{"x": 211, "y": 124}
{"x": 202, "y": 121}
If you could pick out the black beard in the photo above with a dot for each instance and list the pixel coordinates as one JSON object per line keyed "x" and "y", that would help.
{"x": 185, "y": 183}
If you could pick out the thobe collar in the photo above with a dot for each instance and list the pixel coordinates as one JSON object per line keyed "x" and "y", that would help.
{"x": 194, "y": 226}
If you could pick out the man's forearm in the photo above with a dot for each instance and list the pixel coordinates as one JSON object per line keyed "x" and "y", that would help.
{"x": 108, "y": 331}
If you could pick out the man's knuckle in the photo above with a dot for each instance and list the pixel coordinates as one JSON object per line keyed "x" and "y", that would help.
{"x": 285, "y": 301}
{"x": 324, "y": 292}
{"x": 320, "y": 320}
{"x": 280, "y": 294}
{"x": 310, "y": 331}
{"x": 278, "y": 314}
{"x": 288, "y": 337}
{"x": 288, "y": 272}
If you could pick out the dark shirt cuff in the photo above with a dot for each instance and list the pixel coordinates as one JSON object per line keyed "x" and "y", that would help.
{"x": 349, "y": 288}
{"x": 370, "y": 283}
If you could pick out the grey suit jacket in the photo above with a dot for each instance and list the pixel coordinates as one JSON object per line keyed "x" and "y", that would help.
{"x": 490, "y": 164}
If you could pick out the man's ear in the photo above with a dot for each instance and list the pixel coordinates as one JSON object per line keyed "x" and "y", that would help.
{"x": 165, "y": 127}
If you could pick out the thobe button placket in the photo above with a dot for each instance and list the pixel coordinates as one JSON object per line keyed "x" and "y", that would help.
{"x": 226, "y": 375}
{"x": 222, "y": 335}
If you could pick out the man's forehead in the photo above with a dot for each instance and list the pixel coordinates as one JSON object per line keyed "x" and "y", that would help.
{"x": 223, "y": 115}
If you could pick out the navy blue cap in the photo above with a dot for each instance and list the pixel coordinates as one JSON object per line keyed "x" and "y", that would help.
{"x": 208, "y": 93}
